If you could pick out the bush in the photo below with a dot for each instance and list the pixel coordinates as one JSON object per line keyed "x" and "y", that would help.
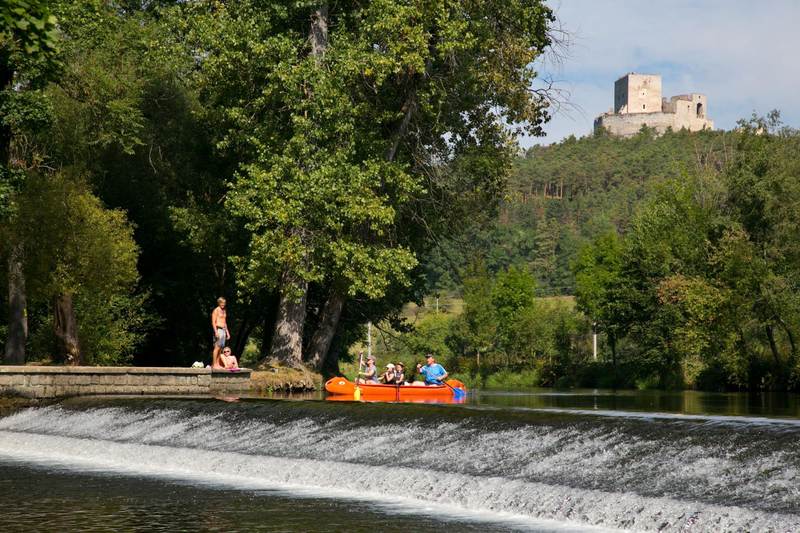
{"x": 508, "y": 379}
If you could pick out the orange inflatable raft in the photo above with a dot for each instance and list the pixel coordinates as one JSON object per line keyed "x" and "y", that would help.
{"x": 344, "y": 388}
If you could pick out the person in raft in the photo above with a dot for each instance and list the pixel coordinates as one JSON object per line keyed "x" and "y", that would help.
{"x": 389, "y": 375}
{"x": 432, "y": 372}
{"x": 228, "y": 360}
{"x": 371, "y": 372}
{"x": 400, "y": 373}
{"x": 219, "y": 326}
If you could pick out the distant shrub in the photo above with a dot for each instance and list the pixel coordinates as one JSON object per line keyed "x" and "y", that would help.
{"x": 509, "y": 379}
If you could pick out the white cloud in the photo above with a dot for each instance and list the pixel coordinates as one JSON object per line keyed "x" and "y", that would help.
{"x": 741, "y": 54}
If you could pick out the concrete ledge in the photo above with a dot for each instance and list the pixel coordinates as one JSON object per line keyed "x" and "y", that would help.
{"x": 63, "y": 381}
{"x": 151, "y": 370}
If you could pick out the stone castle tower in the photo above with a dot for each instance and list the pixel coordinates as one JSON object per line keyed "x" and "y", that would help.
{"x": 638, "y": 102}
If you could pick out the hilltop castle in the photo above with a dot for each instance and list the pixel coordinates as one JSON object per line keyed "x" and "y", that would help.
{"x": 638, "y": 102}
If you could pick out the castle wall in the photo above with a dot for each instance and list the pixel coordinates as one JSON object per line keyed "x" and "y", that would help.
{"x": 621, "y": 95}
{"x": 690, "y": 112}
{"x": 629, "y": 124}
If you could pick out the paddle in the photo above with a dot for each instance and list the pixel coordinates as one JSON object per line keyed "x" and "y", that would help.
{"x": 457, "y": 393}
{"x": 357, "y": 391}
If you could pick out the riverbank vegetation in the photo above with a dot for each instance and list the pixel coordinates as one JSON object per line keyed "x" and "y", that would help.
{"x": 323, "y": 164}
{"x": 299, "y": 158}
{"x": 701, "y": 290}
{"x": 689, "y": 277}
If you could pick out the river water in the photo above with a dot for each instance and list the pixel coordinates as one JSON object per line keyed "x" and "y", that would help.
{"x": 503, "y": 461}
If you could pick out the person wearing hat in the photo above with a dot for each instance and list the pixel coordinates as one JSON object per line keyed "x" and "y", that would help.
{"x": 432, "y": 372}
{"x": 388, "y": 376}
{"x": 370, "y": 373}
{"x": 400, "y": 373}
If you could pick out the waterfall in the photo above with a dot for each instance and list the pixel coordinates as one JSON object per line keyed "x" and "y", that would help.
{"x": 644, "y": 472}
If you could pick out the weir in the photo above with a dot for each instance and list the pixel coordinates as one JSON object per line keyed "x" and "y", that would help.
{"x": 665, "y": 473}
{"x": 65, "y": 381}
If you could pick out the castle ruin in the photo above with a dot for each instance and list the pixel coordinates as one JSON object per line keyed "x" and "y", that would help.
{"x": 638, "y": 102}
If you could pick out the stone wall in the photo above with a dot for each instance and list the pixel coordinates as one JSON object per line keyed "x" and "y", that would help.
{"x": 63, "y": 381}
{"x": 627, "y": 125}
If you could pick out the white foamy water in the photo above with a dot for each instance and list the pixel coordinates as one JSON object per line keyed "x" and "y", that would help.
{"x": 583, "y": 474}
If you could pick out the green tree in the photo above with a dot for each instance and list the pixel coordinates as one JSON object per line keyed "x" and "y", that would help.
{"x": 701, "y": 286}
{"x": 513, "y": 293}
{"x": 28, "y": 56}
{"x": 475, "y": 331}
{"x": 350, "y": 120}
{"x": 127, "y": 120}
{"x": 80, "y": 257}
{"x": 597, "y": 276}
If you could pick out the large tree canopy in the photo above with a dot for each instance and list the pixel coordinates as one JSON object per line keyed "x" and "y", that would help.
{"x": 361, "y": 128}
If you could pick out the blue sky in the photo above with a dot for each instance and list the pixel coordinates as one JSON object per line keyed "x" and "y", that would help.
{"x": 744, "y": 55}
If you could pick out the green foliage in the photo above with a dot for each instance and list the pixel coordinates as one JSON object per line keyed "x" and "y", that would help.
{"x": 28, "y": 58}
{"x": 74, "y": 245}
{"x": 504, "y": 327}
{"x": 508, "y": 379}
{"x": 597, "y": 269}
{"x": 701, "y": 285}
{"x": 239, "y": 155}
{"x": 125, "y": 120}
{"x": 565, "y": 195}
{"x": 343, "y": 149}
{"x": 476, "y": 328}
{"x": 27, "y": 27}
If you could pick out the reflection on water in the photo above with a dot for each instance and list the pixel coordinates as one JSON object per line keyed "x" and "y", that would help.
{"x": 770, "y": 404}
{"x": 684, "y": 402}
{"x": 61, "y": 500}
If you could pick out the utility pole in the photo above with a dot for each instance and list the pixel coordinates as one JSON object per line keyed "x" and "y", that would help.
{"x": 594, "y": 340}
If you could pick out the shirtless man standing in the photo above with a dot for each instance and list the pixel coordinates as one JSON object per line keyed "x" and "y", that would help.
{"x": 219, "y": 325}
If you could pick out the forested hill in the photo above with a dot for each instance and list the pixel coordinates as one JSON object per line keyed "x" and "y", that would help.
{"x": 564, "y": 195}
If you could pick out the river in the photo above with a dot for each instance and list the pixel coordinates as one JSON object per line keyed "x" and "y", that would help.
{"x": 537, "y": 460}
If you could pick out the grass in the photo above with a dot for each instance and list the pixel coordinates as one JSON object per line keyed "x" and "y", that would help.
{"x": 284, "y": 379}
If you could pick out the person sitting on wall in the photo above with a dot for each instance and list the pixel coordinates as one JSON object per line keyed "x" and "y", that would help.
{"x": 388, "y": 376}
{"x": 432, "y": 372}
{"x": 228, "y": 360}
{"x": 370, "y": 375}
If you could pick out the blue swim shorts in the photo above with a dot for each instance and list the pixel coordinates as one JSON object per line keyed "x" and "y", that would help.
{"x": 221, "y": 338}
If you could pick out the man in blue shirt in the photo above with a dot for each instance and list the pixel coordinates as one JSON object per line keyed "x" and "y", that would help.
{"x": 433, "y": 372}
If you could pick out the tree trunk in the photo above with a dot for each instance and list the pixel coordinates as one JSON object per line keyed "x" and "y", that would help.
{"x": 268, "y": 324}
{"x": 773, "y": 346}
{"x": 287, "y": 341}
{"x": 318, "y": 35}
{"x": 243, "y": 331}
{"x": 328, "y": 323}
{"x": 409, "y": 106}
{"x": 792, "y": 344}
{"x": 66, "y": 330}
{"x": 17, "y": 312}
{"x": 612, "y": 342}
